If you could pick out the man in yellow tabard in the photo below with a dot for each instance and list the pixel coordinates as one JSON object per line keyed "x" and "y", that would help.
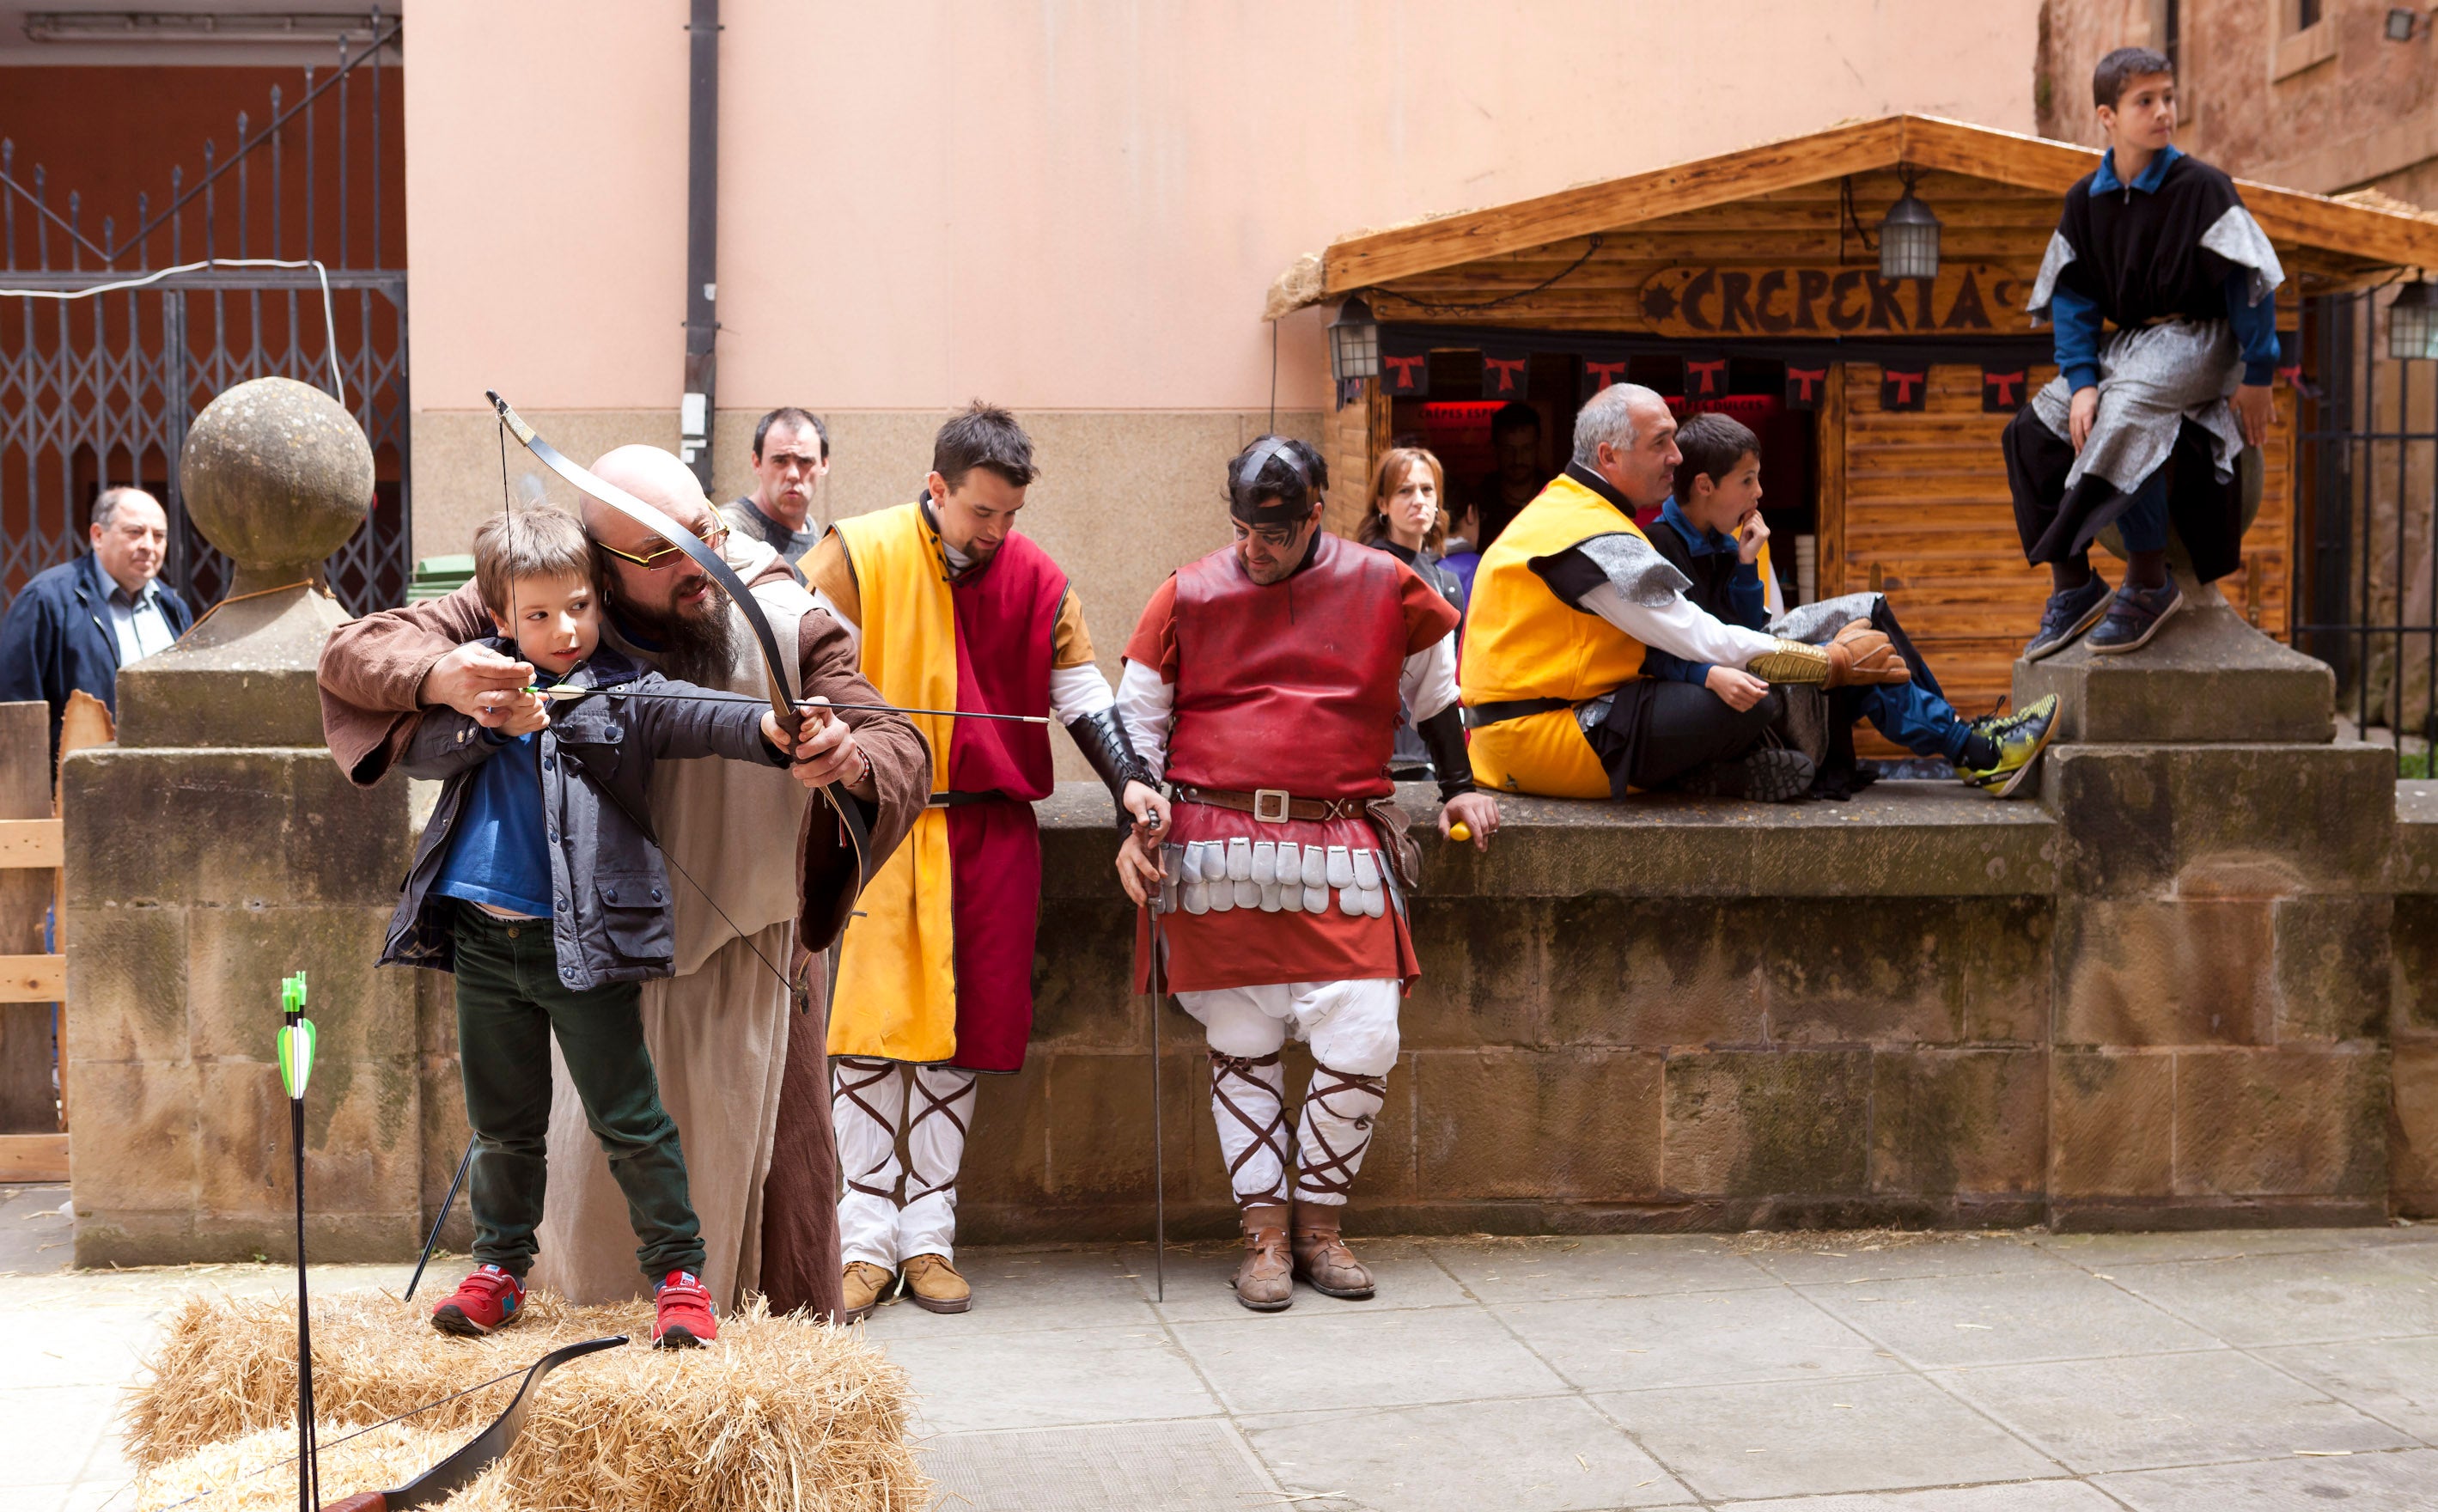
{"x": 951, "y": 610}
{"x": 1565, "y": 602}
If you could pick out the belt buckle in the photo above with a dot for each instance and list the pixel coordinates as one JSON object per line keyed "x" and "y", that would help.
{"x": 1263, "y": 800}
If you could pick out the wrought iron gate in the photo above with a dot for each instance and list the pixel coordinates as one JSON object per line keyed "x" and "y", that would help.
{"x": 99, "y": 391}
{"x": 2370, "y": 560}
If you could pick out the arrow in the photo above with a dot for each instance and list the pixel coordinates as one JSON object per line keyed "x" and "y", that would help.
{"x": 563, "y": 692}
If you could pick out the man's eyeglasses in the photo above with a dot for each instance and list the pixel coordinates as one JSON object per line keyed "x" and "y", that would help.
{"x": 667, "y": 555}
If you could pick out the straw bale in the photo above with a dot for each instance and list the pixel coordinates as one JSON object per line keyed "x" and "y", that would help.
{"x": 780, "y": 1413}
{"x": 255, "y": 1473}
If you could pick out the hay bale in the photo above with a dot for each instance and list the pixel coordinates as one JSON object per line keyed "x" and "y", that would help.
{"x": 780, "y": 1413}
{"x": 257, "y": 1474}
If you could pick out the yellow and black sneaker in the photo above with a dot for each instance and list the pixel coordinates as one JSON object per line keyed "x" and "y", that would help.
{"x": 2017, "y": 740}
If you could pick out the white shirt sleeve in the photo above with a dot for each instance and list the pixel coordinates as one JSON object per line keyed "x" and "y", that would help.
{"x": 1681, "y": 628}
{"x": 1427, "y": 680}
{"x": 1145, "y": 705}
{"x": 1075, "y": 691}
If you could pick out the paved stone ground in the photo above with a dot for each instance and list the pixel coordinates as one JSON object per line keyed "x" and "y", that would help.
{"x": 1816, "y": 1373}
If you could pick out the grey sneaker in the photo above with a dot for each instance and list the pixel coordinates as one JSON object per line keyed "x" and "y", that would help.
{"x": 2069, "y": 613}
{"x": 2134, "y": 616}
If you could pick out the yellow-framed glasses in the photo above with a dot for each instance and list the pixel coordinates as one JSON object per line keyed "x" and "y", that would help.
{"x": 667, "y": 555}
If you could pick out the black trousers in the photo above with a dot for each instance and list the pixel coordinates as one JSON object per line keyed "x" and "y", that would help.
{"x": 509, "y": 1007}
{"x": 2057, "y": 524}
{"x": 1658, "y": 731}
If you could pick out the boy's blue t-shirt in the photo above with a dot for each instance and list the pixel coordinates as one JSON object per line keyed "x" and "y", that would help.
{"x": 498, "y": 852}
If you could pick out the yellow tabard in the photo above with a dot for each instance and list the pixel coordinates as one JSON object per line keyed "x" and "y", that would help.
{"x": 896, "y": 991}
{"x": 1521, "y": 641}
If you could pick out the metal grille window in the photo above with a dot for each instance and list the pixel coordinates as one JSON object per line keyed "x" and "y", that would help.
{"x": 99, "y": 391}
{"x": 2370, "y": 458}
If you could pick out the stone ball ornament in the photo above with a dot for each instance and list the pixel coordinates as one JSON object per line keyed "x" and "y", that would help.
{"x": 278, "y": 475}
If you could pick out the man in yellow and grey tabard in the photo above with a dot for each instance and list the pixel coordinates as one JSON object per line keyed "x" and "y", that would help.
{"x": 1565, "y": 604}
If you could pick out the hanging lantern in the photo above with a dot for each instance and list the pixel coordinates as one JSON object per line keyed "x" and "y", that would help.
{"x": 1908, "y": 237}
{"x": 1353, "y": 342}
{"x": 2413, "y": 323}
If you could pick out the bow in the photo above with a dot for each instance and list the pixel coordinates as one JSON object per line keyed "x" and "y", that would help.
{"x": 476, "y": 1455}
{"x": 783, "y": 698}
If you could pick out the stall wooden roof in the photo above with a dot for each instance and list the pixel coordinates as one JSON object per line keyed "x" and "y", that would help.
{"x": 1786, "y": 202}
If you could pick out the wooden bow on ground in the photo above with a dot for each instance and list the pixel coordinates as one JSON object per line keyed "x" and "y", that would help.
{"x": 459, "y": 1469}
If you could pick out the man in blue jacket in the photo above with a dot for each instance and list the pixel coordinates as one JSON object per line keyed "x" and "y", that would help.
{"x": 77, "y": 624}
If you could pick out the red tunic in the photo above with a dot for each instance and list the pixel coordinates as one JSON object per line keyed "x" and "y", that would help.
{"x": 1007, "y": 612}
{"x": 1289, "y": 685}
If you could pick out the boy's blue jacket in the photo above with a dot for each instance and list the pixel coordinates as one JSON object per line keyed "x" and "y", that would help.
{"x": 609, "y": 890}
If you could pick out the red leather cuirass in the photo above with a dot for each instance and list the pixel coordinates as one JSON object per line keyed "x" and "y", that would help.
{"x": 1293, "y": 685}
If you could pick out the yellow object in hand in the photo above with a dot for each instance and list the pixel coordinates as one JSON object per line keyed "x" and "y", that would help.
{"x": 1460, "y": 832}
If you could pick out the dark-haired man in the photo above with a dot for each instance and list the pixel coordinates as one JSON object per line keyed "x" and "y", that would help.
{"x": 791, "y": 454}
{"x": 2141, "y": 428}
{"x": 1520, "y": 469}
{"x": 951, "y": 610}
{"x": 1265, "y": 680}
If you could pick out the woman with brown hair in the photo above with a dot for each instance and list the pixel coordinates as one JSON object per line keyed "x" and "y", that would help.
{"x": 1407, "y": 519}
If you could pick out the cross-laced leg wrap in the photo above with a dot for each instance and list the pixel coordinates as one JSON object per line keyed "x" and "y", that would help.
{"x": 1247, "y": 1095}
{"x": 1339, "y": 1109}
{"x": 867, "y": 1097}
{"x": 935, "y": 1130}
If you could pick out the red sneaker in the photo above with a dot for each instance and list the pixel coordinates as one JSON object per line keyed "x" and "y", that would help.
{"x": 684, "y": 1319}
{"x": 485, "y": 1302}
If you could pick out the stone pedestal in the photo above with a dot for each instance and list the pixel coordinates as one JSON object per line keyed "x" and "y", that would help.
{"x": 212, "y": 851}
{"x": 2221, "y": 950}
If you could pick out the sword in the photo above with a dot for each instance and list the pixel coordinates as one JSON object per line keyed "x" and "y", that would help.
{"x": 1158, "y": 1124}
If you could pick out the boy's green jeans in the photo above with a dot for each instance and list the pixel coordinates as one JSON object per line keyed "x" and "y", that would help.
{"x": 509, "y": 1004}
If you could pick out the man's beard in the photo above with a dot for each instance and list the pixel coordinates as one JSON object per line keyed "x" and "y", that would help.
{"x": 701, "y": 649}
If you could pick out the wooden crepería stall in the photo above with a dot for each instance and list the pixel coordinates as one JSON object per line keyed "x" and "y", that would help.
{"x": 1750, "y": 282}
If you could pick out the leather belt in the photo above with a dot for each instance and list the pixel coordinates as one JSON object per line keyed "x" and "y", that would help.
{"x": 1478, "y": 716}
{"x": 1274, "y": 806}
{"x": 961, "y": 800}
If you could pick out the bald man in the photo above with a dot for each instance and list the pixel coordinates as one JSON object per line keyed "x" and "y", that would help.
{"x": 745, "y": 1080}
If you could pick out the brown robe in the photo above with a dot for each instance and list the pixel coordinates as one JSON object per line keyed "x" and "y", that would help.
{"x": 370, "y": 671}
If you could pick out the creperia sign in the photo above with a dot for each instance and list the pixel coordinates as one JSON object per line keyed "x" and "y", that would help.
{"x": 1759, "y": 299}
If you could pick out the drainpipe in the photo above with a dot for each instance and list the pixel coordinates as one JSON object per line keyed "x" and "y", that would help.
{"x": 702, "y": 237}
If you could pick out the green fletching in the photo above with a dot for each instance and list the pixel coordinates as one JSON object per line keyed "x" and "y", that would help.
{"x": 296, "y": 1056}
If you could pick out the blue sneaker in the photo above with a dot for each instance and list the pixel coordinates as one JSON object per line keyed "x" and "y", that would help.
{"x": 2134, "y": 616}
{"x": 2069, "y": 613}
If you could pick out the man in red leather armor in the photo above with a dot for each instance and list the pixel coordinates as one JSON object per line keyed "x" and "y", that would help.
{"x": 1265, "y": 679}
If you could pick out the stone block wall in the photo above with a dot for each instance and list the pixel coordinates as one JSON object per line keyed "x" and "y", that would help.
{"x": 177, "y": 936}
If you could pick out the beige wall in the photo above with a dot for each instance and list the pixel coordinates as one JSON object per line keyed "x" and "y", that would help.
{"x": 1074, "y": 210}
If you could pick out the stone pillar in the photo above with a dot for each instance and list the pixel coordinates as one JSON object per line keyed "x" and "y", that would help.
{"x": 215, "y": 849}
{"x": 2222, "y": 958}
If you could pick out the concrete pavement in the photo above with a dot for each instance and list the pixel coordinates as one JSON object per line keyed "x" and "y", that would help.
{"x": 1800, "y": 1373}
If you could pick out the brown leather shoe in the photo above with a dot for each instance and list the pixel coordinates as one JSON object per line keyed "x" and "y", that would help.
{"x": 1265, "y": 1278}
{"x": 1322, "y": 1260}
{"x": 933, "y": 1284}
{"x": 865, "y": 1285}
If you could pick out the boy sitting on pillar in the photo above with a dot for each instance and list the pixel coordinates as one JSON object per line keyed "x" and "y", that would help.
{"x": 1711, "y": 530}
{"x": 2137, "y": 428}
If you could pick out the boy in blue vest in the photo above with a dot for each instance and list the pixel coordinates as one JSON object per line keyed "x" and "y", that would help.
{"x": 539, "y": 884}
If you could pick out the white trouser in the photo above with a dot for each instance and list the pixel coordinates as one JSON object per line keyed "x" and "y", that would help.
{"x": 877, "y": 1221}
{"x": 1351, "y": 1028}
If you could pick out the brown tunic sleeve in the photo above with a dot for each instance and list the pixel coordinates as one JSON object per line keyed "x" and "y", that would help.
{"x": 901, "y": 770}
{"x": 372, "y": 668}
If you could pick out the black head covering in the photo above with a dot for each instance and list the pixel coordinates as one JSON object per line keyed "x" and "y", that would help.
{"x": 1270, "y": 484}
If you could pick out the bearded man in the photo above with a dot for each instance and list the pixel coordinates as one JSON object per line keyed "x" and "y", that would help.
{"x": 742, "y": 1072}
